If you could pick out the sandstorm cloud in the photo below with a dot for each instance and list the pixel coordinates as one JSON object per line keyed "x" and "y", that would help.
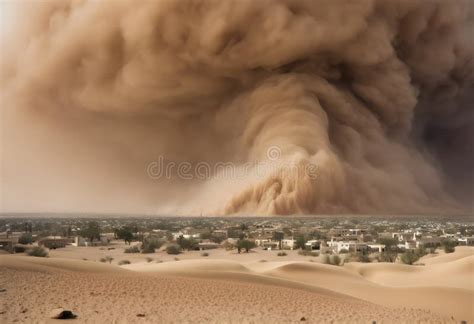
{"x": 377, "y": 94}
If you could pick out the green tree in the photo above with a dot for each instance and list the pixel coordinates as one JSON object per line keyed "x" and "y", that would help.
{"x": 125, "y": 234}
{"x": 409, "y": 257}
{"x": 362, "y": 257}
{"x": 421, "y": 251}
{"x": 246, "y": 245}
{"x": 388, "y": 256}
{"x": 108, "y": 259}
{"x": 448, "y": 246}
{"x": 390, "y": 243}
{"x": 150, "y": 244}
{"x": 300, "y": 242}
{"x": 92, "y": 231}
{"x": 278, "y": 236}
{"x": 216, "y": 239}
{"x": 25, "y": 238}
{"x": 186, "y": 244}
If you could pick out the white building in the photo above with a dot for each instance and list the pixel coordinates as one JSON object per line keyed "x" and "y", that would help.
{"x": 177, "y": 235}
{"x": 84, "y": 241}
{"x": 207, "y": 245}
{"x": 466, "y": 241}
{"x": 267, "y": 244}
{"x": 260, "y": 242}
{"x": 288, "y": 244}
{"x": 404, "y": 236}
{"x": 313, "y": 245}
{"x": 350, "y": 246}
{"x": 376, "y": 247}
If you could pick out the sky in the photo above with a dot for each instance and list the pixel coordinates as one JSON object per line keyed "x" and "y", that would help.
{"x": 239, "y": 107}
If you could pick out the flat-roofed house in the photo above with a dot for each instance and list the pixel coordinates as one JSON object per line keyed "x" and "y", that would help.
{"x": 350, "y": 246}
{"x": 270, "y": 245}
{"x": 53, "y": 242}
{"x": 313, "y": 245}
{"x": 376, "y": 247}
{"x": 208, "y": 245}
{"x": 466, "y": 241}
{"x": 288, "y": 244}
{"x": 428, "y": 242}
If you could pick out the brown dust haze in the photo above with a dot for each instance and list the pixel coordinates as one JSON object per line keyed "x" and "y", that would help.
{"x": 377, "y": 94}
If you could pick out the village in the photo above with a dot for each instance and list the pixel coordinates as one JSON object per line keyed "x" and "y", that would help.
{"x": 330, "y": 240}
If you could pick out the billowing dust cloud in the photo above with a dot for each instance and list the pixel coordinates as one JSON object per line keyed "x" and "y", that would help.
{"x": 377, "y": 94}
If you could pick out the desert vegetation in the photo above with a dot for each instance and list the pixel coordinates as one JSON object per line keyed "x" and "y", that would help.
{"x": 173, "y": 249}
{"x": 38, "y": 251}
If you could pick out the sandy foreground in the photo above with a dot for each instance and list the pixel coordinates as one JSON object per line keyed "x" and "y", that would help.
{"x": 230, "y": 288}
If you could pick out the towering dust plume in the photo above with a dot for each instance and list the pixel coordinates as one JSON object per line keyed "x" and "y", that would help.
{"x": 376, "y": 94}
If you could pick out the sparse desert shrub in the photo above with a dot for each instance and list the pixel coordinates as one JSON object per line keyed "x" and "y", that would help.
{"x": 84, "y": 259}
{"x": 332, "y": 260}
{"x": 132, "y": 249}
{"x": 187, "y": 244}
{"x": 263, "y": 260}
{"x": 148, "y": 259}
{"x": 362, "y": 257}
{"x": 308, "y": 253}
{"x": 325, "y": 259}
{"x": 281, "y": 254}
{"x": 122, "y": 262}
{"x": 19, "y": 248}
{"x": 159, "y": 261}
{"x": 150, "y": 244}
{"x": 335, "y": 260}
{"x": 148, "y": 248}
{"x": 204, "y": 254}
{"x": 421, "y": 251}
{"x": 228, "y": 246}
{"x": 108, "y": 259}
{"x": 38, "y": 251}
{"x": 448, "y": 246}
{"x": 25, "y": 238}
{"x": 173, "y": 249}
{"x": 409, "y": 257}
{"x": 176, "y": 259}
{"x": 387, "y": 256}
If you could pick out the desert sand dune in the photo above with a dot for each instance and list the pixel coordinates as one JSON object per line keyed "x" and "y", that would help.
{"x": 458, "y": 273}
{"x": 432, "y": 288}
{"x": 188, "y": 266}
{"x": 228, "y": 291}
{"x": 119, "y": 298}
{"x": 461, "y": 252}
{"x": 51, "y": 264}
